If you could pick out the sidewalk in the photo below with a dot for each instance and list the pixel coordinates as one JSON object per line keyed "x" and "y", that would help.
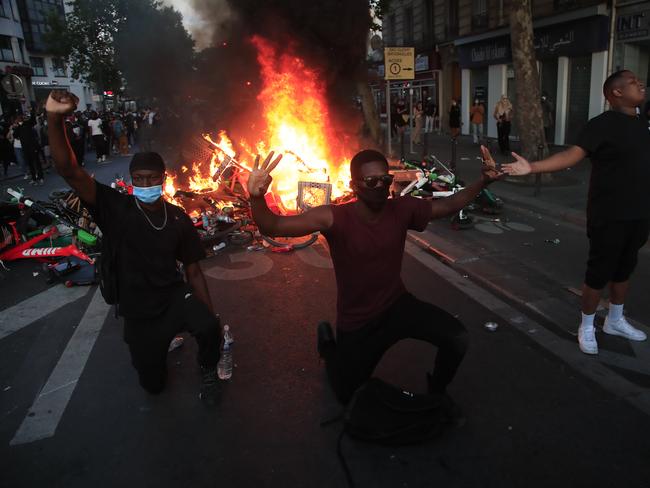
{"x": 563, "y": 195}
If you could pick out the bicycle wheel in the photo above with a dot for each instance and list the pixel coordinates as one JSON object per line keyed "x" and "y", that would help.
{"x": 294, "y": 242}
{"x": 241, "y": 237}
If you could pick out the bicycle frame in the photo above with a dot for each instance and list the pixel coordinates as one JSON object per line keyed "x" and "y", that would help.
{"x": 25, "y": 250}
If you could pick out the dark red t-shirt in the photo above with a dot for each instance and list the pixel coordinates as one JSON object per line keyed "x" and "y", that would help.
{"x": 367, "y": 257}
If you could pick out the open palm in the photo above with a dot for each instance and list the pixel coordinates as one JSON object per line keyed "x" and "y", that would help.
{"x": 519, "y": 167}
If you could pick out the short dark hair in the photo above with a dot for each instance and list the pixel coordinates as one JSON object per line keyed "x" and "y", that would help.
{"x": 364, "y": 157}
{"x": 611, "y": 81}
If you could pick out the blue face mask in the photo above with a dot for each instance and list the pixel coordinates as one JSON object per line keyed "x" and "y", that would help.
{"x": 147, "y": 194}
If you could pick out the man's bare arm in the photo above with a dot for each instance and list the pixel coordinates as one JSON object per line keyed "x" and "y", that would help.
{"x": 556, "y": 162}
{"x": 59, "y": 104}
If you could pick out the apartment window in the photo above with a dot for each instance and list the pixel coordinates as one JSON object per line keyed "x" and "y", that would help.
{"x": 21, "y": 49}
{"x": 58, "y": 66}
{"x": 38, "y": 65}
{"x": 3, "y": 12}
{"x": 479, "y": 14}
{"x": 6, "y": 51}
{"x": 391, "y": 30}
{"x": 428, "y": 20}
{"x": 408, "y": 26}
{"x": 452, "y": 18}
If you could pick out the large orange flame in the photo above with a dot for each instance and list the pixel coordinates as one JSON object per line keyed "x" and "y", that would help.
{"x": 295, "y": 121}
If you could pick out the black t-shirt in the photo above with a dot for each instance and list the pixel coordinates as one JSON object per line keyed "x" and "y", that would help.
{"x": 147, "y": 258}
{"x": 619, "y": 148}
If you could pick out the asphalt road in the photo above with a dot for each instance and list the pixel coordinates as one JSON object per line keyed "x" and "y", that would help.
{"x": 540, "y": 413}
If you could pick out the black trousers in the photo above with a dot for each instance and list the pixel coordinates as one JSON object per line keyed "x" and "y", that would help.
{"x": 503, "y": 134}
{"x": 100, "y": 146}
{"x": 358, "y": 352}
{"x": 34, "y": 164}
{"x": 149, "y": 339}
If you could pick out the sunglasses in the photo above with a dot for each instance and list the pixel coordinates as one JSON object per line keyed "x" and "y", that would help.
{"x": 372, "y": 181}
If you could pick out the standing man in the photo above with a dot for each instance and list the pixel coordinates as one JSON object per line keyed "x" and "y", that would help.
{"x": 476, "y": 117}
{"x": 149, "y": 237}
{"x": 366, "y": 239}
{"x": 97, "y": 134}
{"x": 618, "y": 206}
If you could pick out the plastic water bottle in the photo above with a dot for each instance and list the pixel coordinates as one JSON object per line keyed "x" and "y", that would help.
{"x": 224, "y": 368}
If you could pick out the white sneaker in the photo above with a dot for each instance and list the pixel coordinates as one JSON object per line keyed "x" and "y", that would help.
{"x": 26, "y": 177}
{"x": 623, "y": 328}
{"x": 587, "y": 340}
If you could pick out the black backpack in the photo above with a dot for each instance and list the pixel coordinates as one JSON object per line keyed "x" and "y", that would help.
{"x": 384, "y": 414}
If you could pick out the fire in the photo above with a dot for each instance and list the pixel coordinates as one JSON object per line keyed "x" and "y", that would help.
{"x": 295, "y": 122}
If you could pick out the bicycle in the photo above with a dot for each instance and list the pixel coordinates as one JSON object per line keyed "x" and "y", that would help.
{"x": 25, "y": 245}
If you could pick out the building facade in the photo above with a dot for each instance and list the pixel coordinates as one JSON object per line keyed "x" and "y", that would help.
{"x": 467, "y": 46}
{"x": 27, "y": 71}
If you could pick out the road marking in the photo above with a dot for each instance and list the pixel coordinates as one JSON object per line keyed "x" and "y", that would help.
{"x": 45, "y": 413}
{"x": 14, "y": 318}
{"x": 567, "y": 351}
{"x": 260, "y": 264}
{"x": 312, "y": 257}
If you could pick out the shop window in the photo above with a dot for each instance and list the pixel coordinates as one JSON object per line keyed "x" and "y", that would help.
{"x": 58, "y": 67}
{"x": 38, "y": 65}
{"x": 6, "y": 50}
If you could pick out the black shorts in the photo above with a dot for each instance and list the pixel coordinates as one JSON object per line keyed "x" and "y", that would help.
{"x": 613, "y": 250}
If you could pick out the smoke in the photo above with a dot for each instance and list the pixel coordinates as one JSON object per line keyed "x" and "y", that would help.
{"x": 330, "y": 35}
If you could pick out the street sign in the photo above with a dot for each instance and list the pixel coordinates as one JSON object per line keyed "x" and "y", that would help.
{"x": 400, "y": 63}
{"x": 13, "y": 84}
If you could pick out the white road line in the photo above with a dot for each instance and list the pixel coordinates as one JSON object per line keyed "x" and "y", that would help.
{"x": 567, "y": 351}
{"x": 43, "y": 417}
{"x": 14, "y": 318}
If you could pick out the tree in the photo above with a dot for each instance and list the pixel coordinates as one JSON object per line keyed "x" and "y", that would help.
{"x": 528, "y": 101}
{"x": 140, "y": 44}
{"x": 85, "y": 38}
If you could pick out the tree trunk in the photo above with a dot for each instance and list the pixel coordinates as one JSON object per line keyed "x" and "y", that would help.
{"x": 528, "y": 107}
{"x": 369, "y": 110}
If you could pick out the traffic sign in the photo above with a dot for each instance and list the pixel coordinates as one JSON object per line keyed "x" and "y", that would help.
{"x": 13, "y": 84}
{"x": 400, "y": 63}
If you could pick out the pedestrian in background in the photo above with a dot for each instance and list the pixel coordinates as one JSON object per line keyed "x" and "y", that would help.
{"x": 97, "y": 134}
{"x": 476, "y": 118}
{"x": 430, "y": 113}
{"x": 419, "y": 123}
{"x": 454, "y": 119}
{"x": 503, "y": 116}
{"x": 548, "y": 118}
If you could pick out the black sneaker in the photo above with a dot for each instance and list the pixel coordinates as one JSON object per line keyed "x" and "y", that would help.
{"x": 326, "y": 342}
{"x": 210, "y": 392}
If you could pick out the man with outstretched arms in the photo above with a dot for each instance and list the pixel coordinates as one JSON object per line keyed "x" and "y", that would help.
{"x": 618, "y": 207}
{"x": 366, "y": 239}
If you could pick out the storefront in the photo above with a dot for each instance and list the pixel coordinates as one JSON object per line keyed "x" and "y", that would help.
{"x": 632, "y": 50}
{"x": 572, "y": 58}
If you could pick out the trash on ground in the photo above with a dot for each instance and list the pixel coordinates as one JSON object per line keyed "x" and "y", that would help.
{"x": 555, "y": 241}
{"x": 491, "y": 326}
{"x": 176, "y": 342}
{"x": 218, "y": 247}
{"x": 35, "y": 274}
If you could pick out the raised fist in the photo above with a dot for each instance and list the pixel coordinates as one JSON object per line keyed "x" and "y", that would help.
{"x": 61, "y": 102}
